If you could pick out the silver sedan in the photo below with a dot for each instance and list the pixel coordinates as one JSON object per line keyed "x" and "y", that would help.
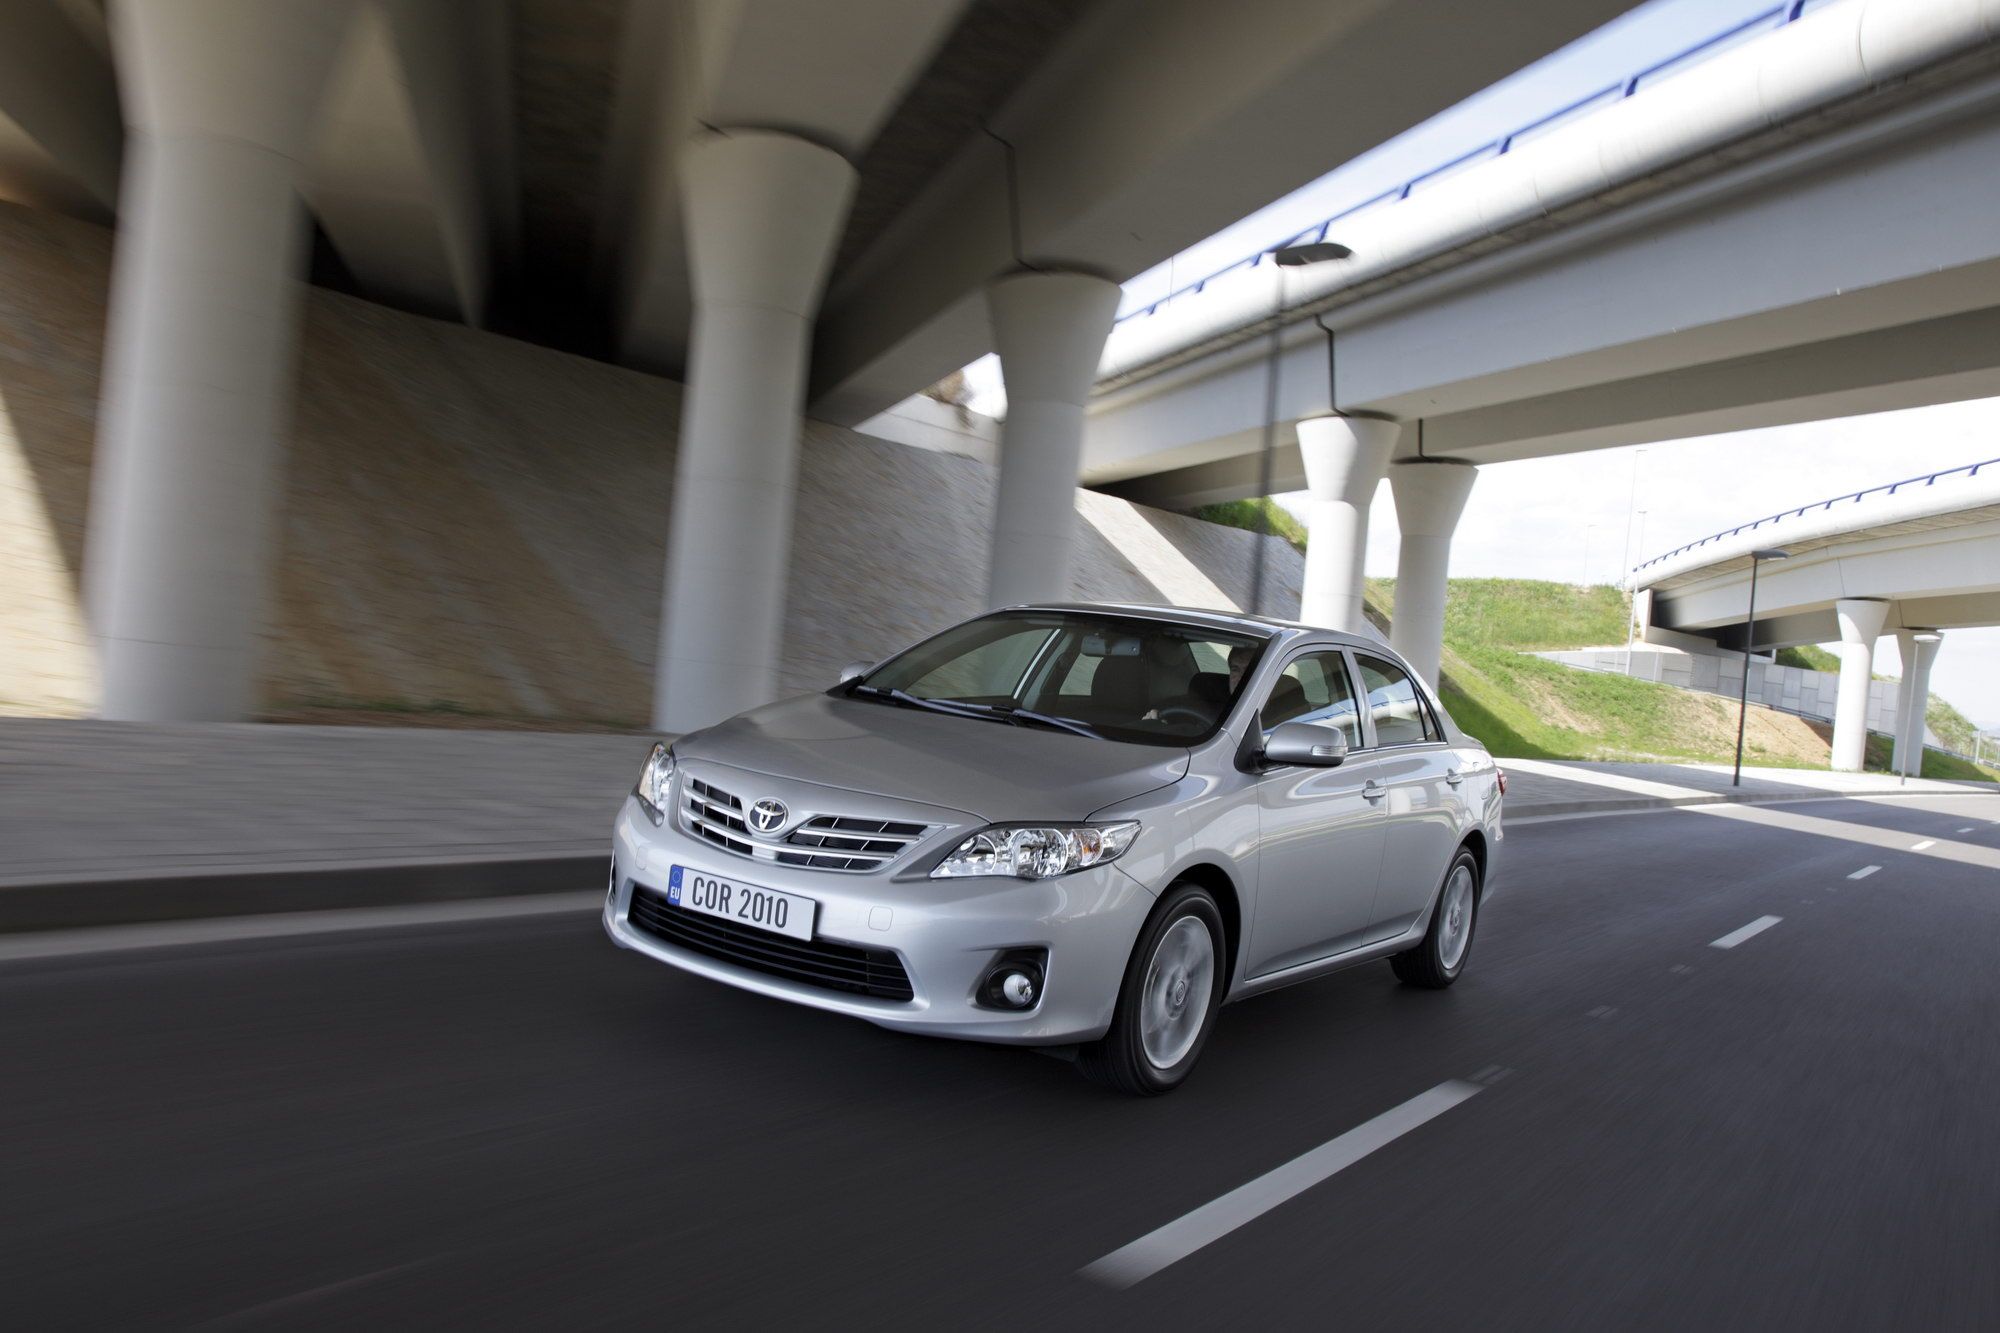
{"x": 1074, "y": 826}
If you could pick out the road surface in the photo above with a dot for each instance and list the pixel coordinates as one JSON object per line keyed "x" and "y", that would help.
{"x": 508, "y": 1123}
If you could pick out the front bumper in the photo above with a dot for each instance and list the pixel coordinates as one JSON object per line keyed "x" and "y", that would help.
{"x": 946, "y": 932}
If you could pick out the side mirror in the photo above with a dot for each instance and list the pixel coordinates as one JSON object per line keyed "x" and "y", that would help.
{"x": 1306, "y": 743}
{"x": 852, "y": 671}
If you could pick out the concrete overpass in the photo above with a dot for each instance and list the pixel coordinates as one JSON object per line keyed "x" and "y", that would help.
{"x": 1914, "y": 557}
{"x": 1797, "y": 228}
{"x": 788, "y": 202}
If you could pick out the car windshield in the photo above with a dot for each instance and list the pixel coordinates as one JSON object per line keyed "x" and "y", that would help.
{"x": 1114, "y": 677}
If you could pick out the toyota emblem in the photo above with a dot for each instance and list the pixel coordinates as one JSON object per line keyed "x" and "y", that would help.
{"x": 768, "y": 816}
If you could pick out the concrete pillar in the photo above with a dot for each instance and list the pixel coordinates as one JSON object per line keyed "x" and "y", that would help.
{"x": 1918, "y": 649}
{"x": 1049, "y": 329}
{"x": 1345, "y": 458}
{"x": 763, "y": 213}
{"x": 1860, "y": 625}
{"x": 204, "y": 325}
{"x": 1429, "y": 498}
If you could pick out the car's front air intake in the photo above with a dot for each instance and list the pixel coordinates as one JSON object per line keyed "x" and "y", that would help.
{"x": 876, "y": 973}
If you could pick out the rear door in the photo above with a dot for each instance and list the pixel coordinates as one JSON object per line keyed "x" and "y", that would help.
{"x": 1420, "y": 783}
{"x": 1319, "y": 847}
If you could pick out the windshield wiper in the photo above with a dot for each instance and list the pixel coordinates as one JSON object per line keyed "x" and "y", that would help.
{"x": 908, "y": 700}
{"x": 1027, "y": 715}
{"x": 1019, "y": 717}
{"x": 1022, "y": 717}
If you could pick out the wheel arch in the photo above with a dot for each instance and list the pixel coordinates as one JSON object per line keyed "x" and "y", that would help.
{"x": 1475, "y": 842}
{"x": 1222, "y": 888}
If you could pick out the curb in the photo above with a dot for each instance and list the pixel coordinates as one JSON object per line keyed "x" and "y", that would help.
{"x": 267, "y": 890}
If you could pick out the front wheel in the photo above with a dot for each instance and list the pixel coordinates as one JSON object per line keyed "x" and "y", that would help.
{"x": 1173, "y": 986}
{"x": 1436, "y": 963}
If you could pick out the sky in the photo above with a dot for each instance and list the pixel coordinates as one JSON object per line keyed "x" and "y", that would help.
{"x": 1569, "y": 517}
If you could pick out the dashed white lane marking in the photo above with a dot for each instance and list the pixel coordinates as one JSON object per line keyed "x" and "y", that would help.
{"x": 1919, "y": 846}
{"x": 1966, "y": 829}
{"x": 1864, "y": 872}
{"x": 1212, "y": 1221}
{"x": 1601, "y": 1011}
{"x": 1742, "y": 933}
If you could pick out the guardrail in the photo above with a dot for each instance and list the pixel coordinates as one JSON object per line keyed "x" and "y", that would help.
{"x": 1970, "y": 470}
{"x": 1771, "y": 19}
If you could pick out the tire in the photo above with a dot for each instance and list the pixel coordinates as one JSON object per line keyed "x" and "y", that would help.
{"x": 1432, "y": 964}
{"x": 1184, "y": 929}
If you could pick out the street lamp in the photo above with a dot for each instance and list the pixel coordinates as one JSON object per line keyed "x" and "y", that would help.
{"x": 1285, "y": 256}
{"x": 1749, "y": 640}
{"x": 1632, "y": 596}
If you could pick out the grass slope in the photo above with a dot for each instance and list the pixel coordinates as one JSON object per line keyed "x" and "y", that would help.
{"x": 1529, "y": 707}
{"x": 1261, "y": 515}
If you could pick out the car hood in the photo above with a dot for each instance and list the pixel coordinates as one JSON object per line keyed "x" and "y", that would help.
{"x": 990, "y": 770}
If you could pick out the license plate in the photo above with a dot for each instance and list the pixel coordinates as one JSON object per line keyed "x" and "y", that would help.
{"x": 746, "y": 904}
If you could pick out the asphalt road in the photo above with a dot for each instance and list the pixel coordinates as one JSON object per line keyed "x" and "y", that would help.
{"x": 511, "y": 1124}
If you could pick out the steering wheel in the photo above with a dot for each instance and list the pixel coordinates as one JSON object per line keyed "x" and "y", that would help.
{"x": 1194, "y": 715}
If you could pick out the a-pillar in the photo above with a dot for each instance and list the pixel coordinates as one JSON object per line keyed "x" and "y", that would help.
{"x": 764, "y": 212}
{"x": 1049, "y": 329}
{"x": 1430, "y": 496}
{"x": 188, "y": 474}
{"x": 1918, "y": 649}
{"x": 1344, "y": 458}
{"x": 1860, "y": 625}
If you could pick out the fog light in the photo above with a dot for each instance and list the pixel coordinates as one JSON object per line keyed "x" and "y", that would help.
{"x": 1014, "y": 981}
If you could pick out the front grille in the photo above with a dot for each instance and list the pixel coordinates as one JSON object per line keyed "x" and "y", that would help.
{"x": 876, "y": 973}
{"x": 823, "y": 842}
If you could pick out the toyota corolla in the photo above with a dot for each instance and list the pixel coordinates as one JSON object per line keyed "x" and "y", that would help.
{"x": 1084, "y": 826}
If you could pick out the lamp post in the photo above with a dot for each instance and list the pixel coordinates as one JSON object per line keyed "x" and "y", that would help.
{"x": 1749, "y": 642}
{"x": 1285, "y": 256}
{"x": 1632, "y": 595}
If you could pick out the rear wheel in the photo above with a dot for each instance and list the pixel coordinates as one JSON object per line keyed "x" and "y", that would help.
{"x": 1436, "y": 963}
{"x": 1166, "y": 1006}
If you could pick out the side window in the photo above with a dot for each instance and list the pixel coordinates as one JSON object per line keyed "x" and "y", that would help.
{"x": 1315, "y": 688}
{"x": 1399, "y": 715}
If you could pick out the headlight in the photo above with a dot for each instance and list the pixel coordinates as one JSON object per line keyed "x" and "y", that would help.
{"x": 654, "y": 779}
{"x": 1037, "y": 851}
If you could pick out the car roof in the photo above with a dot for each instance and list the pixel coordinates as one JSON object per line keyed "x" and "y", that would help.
{"x": 1271, "y": 627}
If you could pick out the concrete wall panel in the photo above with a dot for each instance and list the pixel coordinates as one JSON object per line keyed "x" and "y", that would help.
{"x": 477, "y": 523}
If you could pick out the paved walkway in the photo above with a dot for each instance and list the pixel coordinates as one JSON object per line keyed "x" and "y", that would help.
{"x": 1541, "y": 787}
{"x": 262, "y": 810}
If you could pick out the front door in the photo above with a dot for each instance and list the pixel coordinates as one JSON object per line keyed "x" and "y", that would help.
{"x": 1422, "y": 812}
{"x": 1320, "y": 830}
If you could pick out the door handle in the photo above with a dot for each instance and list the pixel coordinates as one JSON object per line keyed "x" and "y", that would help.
{"x": 1451, "y": 775}
{"x": 1372, "y": 790}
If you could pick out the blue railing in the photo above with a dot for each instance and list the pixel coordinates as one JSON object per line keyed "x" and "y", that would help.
{"x": 1970, "y": 470}
{"x": 1777, "y": 16}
